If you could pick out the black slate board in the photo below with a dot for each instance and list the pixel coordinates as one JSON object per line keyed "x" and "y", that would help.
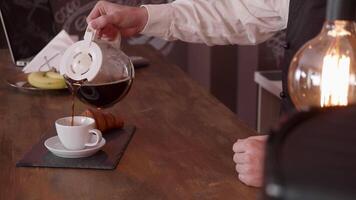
{"x": 107, "y": 158}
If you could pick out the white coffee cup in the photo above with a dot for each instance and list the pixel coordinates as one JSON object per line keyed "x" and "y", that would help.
{"x": 78, "y": 136}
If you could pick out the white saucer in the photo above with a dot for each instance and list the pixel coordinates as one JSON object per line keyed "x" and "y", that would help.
{"x": 54, "y": 145}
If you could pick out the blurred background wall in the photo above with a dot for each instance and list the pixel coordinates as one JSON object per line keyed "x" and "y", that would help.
{"x": 226, "y": 71}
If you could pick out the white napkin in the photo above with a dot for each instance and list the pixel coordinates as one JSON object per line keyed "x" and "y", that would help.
{"x": 50, "y": 56}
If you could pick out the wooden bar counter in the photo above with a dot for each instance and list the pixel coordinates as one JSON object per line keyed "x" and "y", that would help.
{"x": 182, "y": 148}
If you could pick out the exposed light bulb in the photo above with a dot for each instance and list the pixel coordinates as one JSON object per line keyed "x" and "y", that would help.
{"x": 323, "y": 71}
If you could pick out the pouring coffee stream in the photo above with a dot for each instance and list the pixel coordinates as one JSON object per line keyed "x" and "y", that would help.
{"x": 96, "y": 71}
{"x": 73, "y": 85}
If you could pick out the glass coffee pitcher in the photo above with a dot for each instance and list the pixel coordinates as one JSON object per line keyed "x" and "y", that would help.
{"x": 97, "y": 71}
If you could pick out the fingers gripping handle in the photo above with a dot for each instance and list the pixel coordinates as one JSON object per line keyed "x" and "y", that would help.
{"x": 91, "y": 34}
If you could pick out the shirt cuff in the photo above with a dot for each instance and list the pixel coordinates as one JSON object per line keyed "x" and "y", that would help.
{"x": 159, "y": 20}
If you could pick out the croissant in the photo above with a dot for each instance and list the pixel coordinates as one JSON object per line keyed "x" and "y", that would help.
{"x": 104, "y": 121}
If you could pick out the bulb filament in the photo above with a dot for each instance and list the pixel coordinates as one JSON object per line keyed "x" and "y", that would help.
{"x": 335, "y": 80}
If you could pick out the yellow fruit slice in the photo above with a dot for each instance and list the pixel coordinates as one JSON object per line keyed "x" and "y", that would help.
{"x": 56, "y": 75}
{"x": 40, "y": 80}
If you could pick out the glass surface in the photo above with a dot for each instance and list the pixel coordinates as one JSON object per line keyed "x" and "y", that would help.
{"x": 322, "y": 73}
{"x": 113, "y": 81}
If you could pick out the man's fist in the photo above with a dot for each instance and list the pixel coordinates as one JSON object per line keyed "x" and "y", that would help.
{"x": 249, "y": 158}
{"x": 111, "y": 19}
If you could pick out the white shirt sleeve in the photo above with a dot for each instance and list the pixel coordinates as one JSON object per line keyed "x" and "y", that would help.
{"x": 216, "y": 22}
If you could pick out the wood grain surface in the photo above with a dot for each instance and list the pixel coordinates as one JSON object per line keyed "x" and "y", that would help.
{"x": 182, "y": 148}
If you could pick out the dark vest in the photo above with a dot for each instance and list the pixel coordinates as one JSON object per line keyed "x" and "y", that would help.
{"x": 306, "y": 18}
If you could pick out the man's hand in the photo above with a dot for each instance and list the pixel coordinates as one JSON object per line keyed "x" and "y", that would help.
{"x": 111, "y": 19}
{"x": 249, "y": 158}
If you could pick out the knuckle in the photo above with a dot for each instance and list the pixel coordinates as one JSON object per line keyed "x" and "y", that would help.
{"x": 241, "y": 177}
{"x": 237, "y": 168}
{"x": 248, "y": 180}
{"x": 234, "y": 147}
{"x": 235, "y": 158}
